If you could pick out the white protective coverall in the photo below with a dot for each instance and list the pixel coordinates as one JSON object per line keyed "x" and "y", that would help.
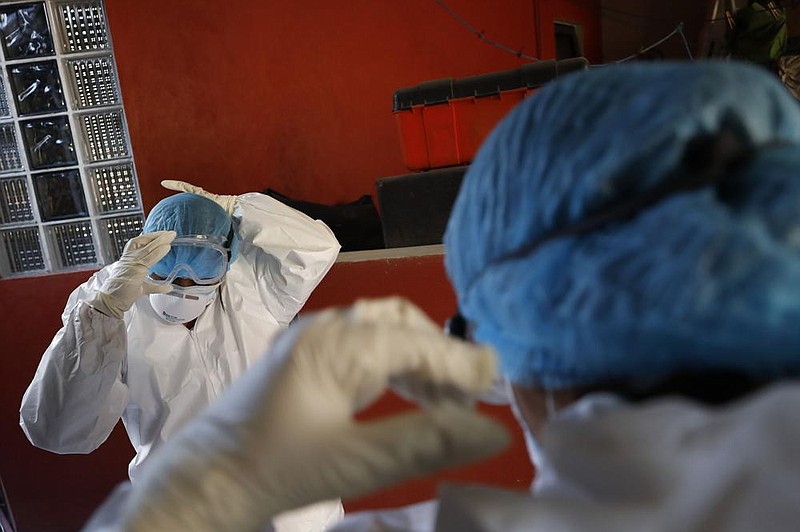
{"x": 155, "y": 375}
{"x": 668, "y": 465}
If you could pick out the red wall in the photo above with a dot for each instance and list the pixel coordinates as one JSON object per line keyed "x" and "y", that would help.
{"x": 48, "y": 492}
{"x": 297, "y": 96}
{"x": 245, "y": 95}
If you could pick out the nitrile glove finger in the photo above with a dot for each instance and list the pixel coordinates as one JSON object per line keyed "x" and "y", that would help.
{"x": 148, "y": 248}
{"x": 376, "y": 454}
{"x": 226, "y": 202}
{"x": 183, "y": 186}
{"x": 126, "y": 277}
{"x": 145, "y": 239}
{"x": 395, "y": 310}
{"x": 391, "y": 351}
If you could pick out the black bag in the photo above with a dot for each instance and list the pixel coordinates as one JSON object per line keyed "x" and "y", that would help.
{"x": 357, "y": 225}
{"x": 415, "y": 207}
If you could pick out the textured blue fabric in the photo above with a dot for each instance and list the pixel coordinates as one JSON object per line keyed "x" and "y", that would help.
{"x": 189, "y": 214}
{"x": 703, "y": 280}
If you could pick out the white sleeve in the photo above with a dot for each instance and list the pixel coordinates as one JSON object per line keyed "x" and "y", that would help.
{"x": 419, "y": 517}
{"x": 78, "y": 394}
{"x": 285, "y": 253}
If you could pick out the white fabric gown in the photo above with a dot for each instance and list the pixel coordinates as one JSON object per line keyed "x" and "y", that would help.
{"x": 667, "y": 465}
{"x": 155, "y": 376}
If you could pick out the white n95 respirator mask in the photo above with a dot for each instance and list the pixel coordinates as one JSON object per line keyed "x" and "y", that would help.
{"x": 183, "y": 304}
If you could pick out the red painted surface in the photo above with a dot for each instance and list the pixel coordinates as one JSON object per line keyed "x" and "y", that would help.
{"x": 296, "y": 96}
{"x": 48, "y": 492}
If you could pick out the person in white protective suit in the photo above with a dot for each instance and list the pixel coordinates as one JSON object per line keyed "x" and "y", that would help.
{"x": 627, "y": 242}
{"x": 158, "y": 335}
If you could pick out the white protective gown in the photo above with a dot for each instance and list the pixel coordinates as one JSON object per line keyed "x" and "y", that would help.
{"x": 665, "y": 466}
{"x": 155, "y": 375}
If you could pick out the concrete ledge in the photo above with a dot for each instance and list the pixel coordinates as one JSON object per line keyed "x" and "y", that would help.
{"x": 390, "y": 253}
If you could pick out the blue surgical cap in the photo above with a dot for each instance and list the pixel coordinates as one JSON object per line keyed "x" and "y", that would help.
{"x": 703, "y": 280}
{"x": 190, "y": 214}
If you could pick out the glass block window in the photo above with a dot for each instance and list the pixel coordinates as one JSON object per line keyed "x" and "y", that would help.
{"x": 15, "y": 202}
{"x": 84, "y": 26}
{"x": 37, "y": 87}
{"x": 114, "y": 188}
{"x": 48, "y": 142}
{"x": 118, "y": 231}
{"x": 104, "y": 135}
{"x": 22, "y": 250}
{"x": 25, "y": 31}
{"x": 60, "y": 195}
{"x": 95, "y": 82}
{"x": 69, "y": 197}
{"x": 73, "y": 243}
{"x": 5, "y": 111}
{"x": 9, "y": 149}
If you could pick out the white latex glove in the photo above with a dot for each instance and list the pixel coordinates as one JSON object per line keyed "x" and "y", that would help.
{"x": 284, "y": 435}
{"x": 126, "y": 282}
{"x": 226, "y": 202}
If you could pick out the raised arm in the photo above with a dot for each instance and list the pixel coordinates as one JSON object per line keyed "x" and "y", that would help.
{"x": 78, "y": 393}
{"x": 289, "y": 253}
{"x": 282, "y": 252}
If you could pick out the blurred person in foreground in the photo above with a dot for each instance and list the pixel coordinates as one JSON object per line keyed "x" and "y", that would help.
{"x": 628, "y": 242}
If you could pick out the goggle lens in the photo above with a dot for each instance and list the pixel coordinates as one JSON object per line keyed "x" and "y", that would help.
{"x": 198, "y": 260}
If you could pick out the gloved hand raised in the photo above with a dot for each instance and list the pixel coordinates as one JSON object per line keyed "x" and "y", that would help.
{"x": 284, "y": 435}
{"x": 126, "y": 282}
{"x": 226, "y": 202}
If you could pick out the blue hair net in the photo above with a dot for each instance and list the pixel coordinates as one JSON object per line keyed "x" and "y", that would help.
{"x": 190, "y": 214}
{"x": 703, "y": 280}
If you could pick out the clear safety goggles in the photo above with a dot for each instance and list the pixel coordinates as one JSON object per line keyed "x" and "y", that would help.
{"x": 200, "y": 258}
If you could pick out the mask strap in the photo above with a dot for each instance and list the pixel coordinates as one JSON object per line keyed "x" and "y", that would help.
{"x": 229, "y": 241}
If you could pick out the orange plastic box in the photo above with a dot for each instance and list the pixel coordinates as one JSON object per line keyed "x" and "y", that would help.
{"x": 443, "y": 122}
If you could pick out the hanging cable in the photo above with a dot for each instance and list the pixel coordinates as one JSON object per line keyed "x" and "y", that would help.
{"x": 677, "y": 31}
{"x": 480, "y": 35}
{"x": 685, "y": 42}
